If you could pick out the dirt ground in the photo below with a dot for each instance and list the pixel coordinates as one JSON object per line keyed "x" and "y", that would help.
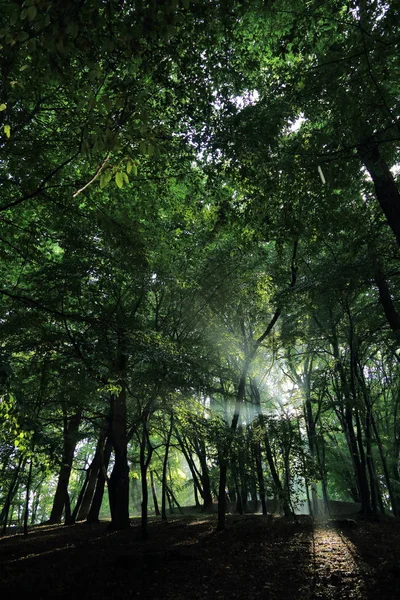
{"x": 256, "y": 557}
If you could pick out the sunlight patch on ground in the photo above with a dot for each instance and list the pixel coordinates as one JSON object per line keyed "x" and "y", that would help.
{"x": 201, "y": 522}
{"x": 27, "y": 556}
{"x": 336, "y": 565}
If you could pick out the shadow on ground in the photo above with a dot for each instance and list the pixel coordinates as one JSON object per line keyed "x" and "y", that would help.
{"x": 256, "y": 557}
{"x": 377, "y": 548}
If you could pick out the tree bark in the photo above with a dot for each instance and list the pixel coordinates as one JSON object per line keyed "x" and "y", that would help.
{"x": 81, "y": 494}
{"x": 11, "y": 493}
{"x": 391, "y": 313}
{"x": 276, "y": 479}
{"x": 118, "y": 486}
{"x": 386, "y": 189}
{"x": 144, "y": 464}
{"x": 93, "y": 472}
{"x": 27, "y": 493}
{"x": 93, "y": 514}
{"x": 164, "y": 473}
{"x": 260, "y": 476}
{"x": 154, "y": 494}
{"x": 71, "y": 427}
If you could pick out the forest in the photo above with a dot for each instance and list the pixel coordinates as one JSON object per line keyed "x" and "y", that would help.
{"x": 199, "y": 255}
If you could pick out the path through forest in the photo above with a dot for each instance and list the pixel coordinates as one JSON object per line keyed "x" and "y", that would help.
{"x": 256, "y": 557}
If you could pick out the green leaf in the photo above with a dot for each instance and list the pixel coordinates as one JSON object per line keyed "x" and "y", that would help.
{"x": 31, "y": 44}
{"x": 23, "y": 36}
{"x": 119, "y": 179}
{"x": 31, "y": 12}
{"x": 103, "y": 181}
{"x": 3, "y": 107}
{"x": 7, "y": 130}
{"x": 105, "y": 178}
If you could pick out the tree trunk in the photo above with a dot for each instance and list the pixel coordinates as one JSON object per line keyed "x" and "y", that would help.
{"x": 196, "y": 496}
{"x": 165, "y": 471}
{"x": 154, "y": 494}
{"x": 91, "y": 479}
{"x": 371, "y": 427}
{"x": 242, "y": 479}
{"x": 359, "y": 465}
{"x": 196, "y": 475}
{"x": 71, "y": 426}
{"x": 355, "y": 443}
{"x": 145, "y": 501}
{"x": 391, "y": 313}
{"x": 223, "y": 472}
{"x": 11, "y": 493}
{"x": 386, "y": 189}
{"x": 275, "y": 478}
{"x": 118, "y": 486}
{"x": 68, "y": 516}
{"x": 260, "y": 476}
{"x": 388, "y": 481}
{"x": 224, "y": 451}
{"x": 81, "y": 494}
{"x": 144, "y": 464}
{"x": 206, "y": 493}
{"x": 93, "y": 515}
{"x": 27, "y": 493}
{"x": 268, "y": 451}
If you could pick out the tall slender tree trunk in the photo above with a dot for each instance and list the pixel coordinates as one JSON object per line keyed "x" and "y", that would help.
{"x": 242, "y": 476}
{"x": 154, "y": 494}
{"x": 359, "y": 466}
{"x": 145, "y": 500}
{"x": 322, "y": 462}
{"x": 165, "y": 473}
{"x": 204, "y": 476}
{"x": 196, "y": 475}
{"x": 71, "y": 427}
{"x": 223, "y": 476}
{"x": 11, "y": 492}
{"x": 368, "y": 496}
{"x": 260, "y": 476}
{"x": 388, "y": 481}
{"x": 355, "y": 442}
{"x": 145, "y": 445}
{"x": 386, "y": 189}
{"x": 196, "y": 496}
{"x": 391, "y": 312}
{"x": 93, "y": 514}
{"x": 279, "y": 488}
{"x": 81, "y": 494}
{"x": 92, "y": 475}
{"x": 118, "y": 486}
{"x": 225, "y": 450}
{"x": 27, "y": 494}
{"x": 279, "y": 491}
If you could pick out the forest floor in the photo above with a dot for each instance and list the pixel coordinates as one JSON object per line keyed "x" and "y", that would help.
{"x": 256, "y": 557}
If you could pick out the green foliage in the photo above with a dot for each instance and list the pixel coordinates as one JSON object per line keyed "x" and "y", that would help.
{"x": 161, "y": 199}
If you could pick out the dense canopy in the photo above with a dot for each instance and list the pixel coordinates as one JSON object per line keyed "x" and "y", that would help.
{"x": 199, "y": 256}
